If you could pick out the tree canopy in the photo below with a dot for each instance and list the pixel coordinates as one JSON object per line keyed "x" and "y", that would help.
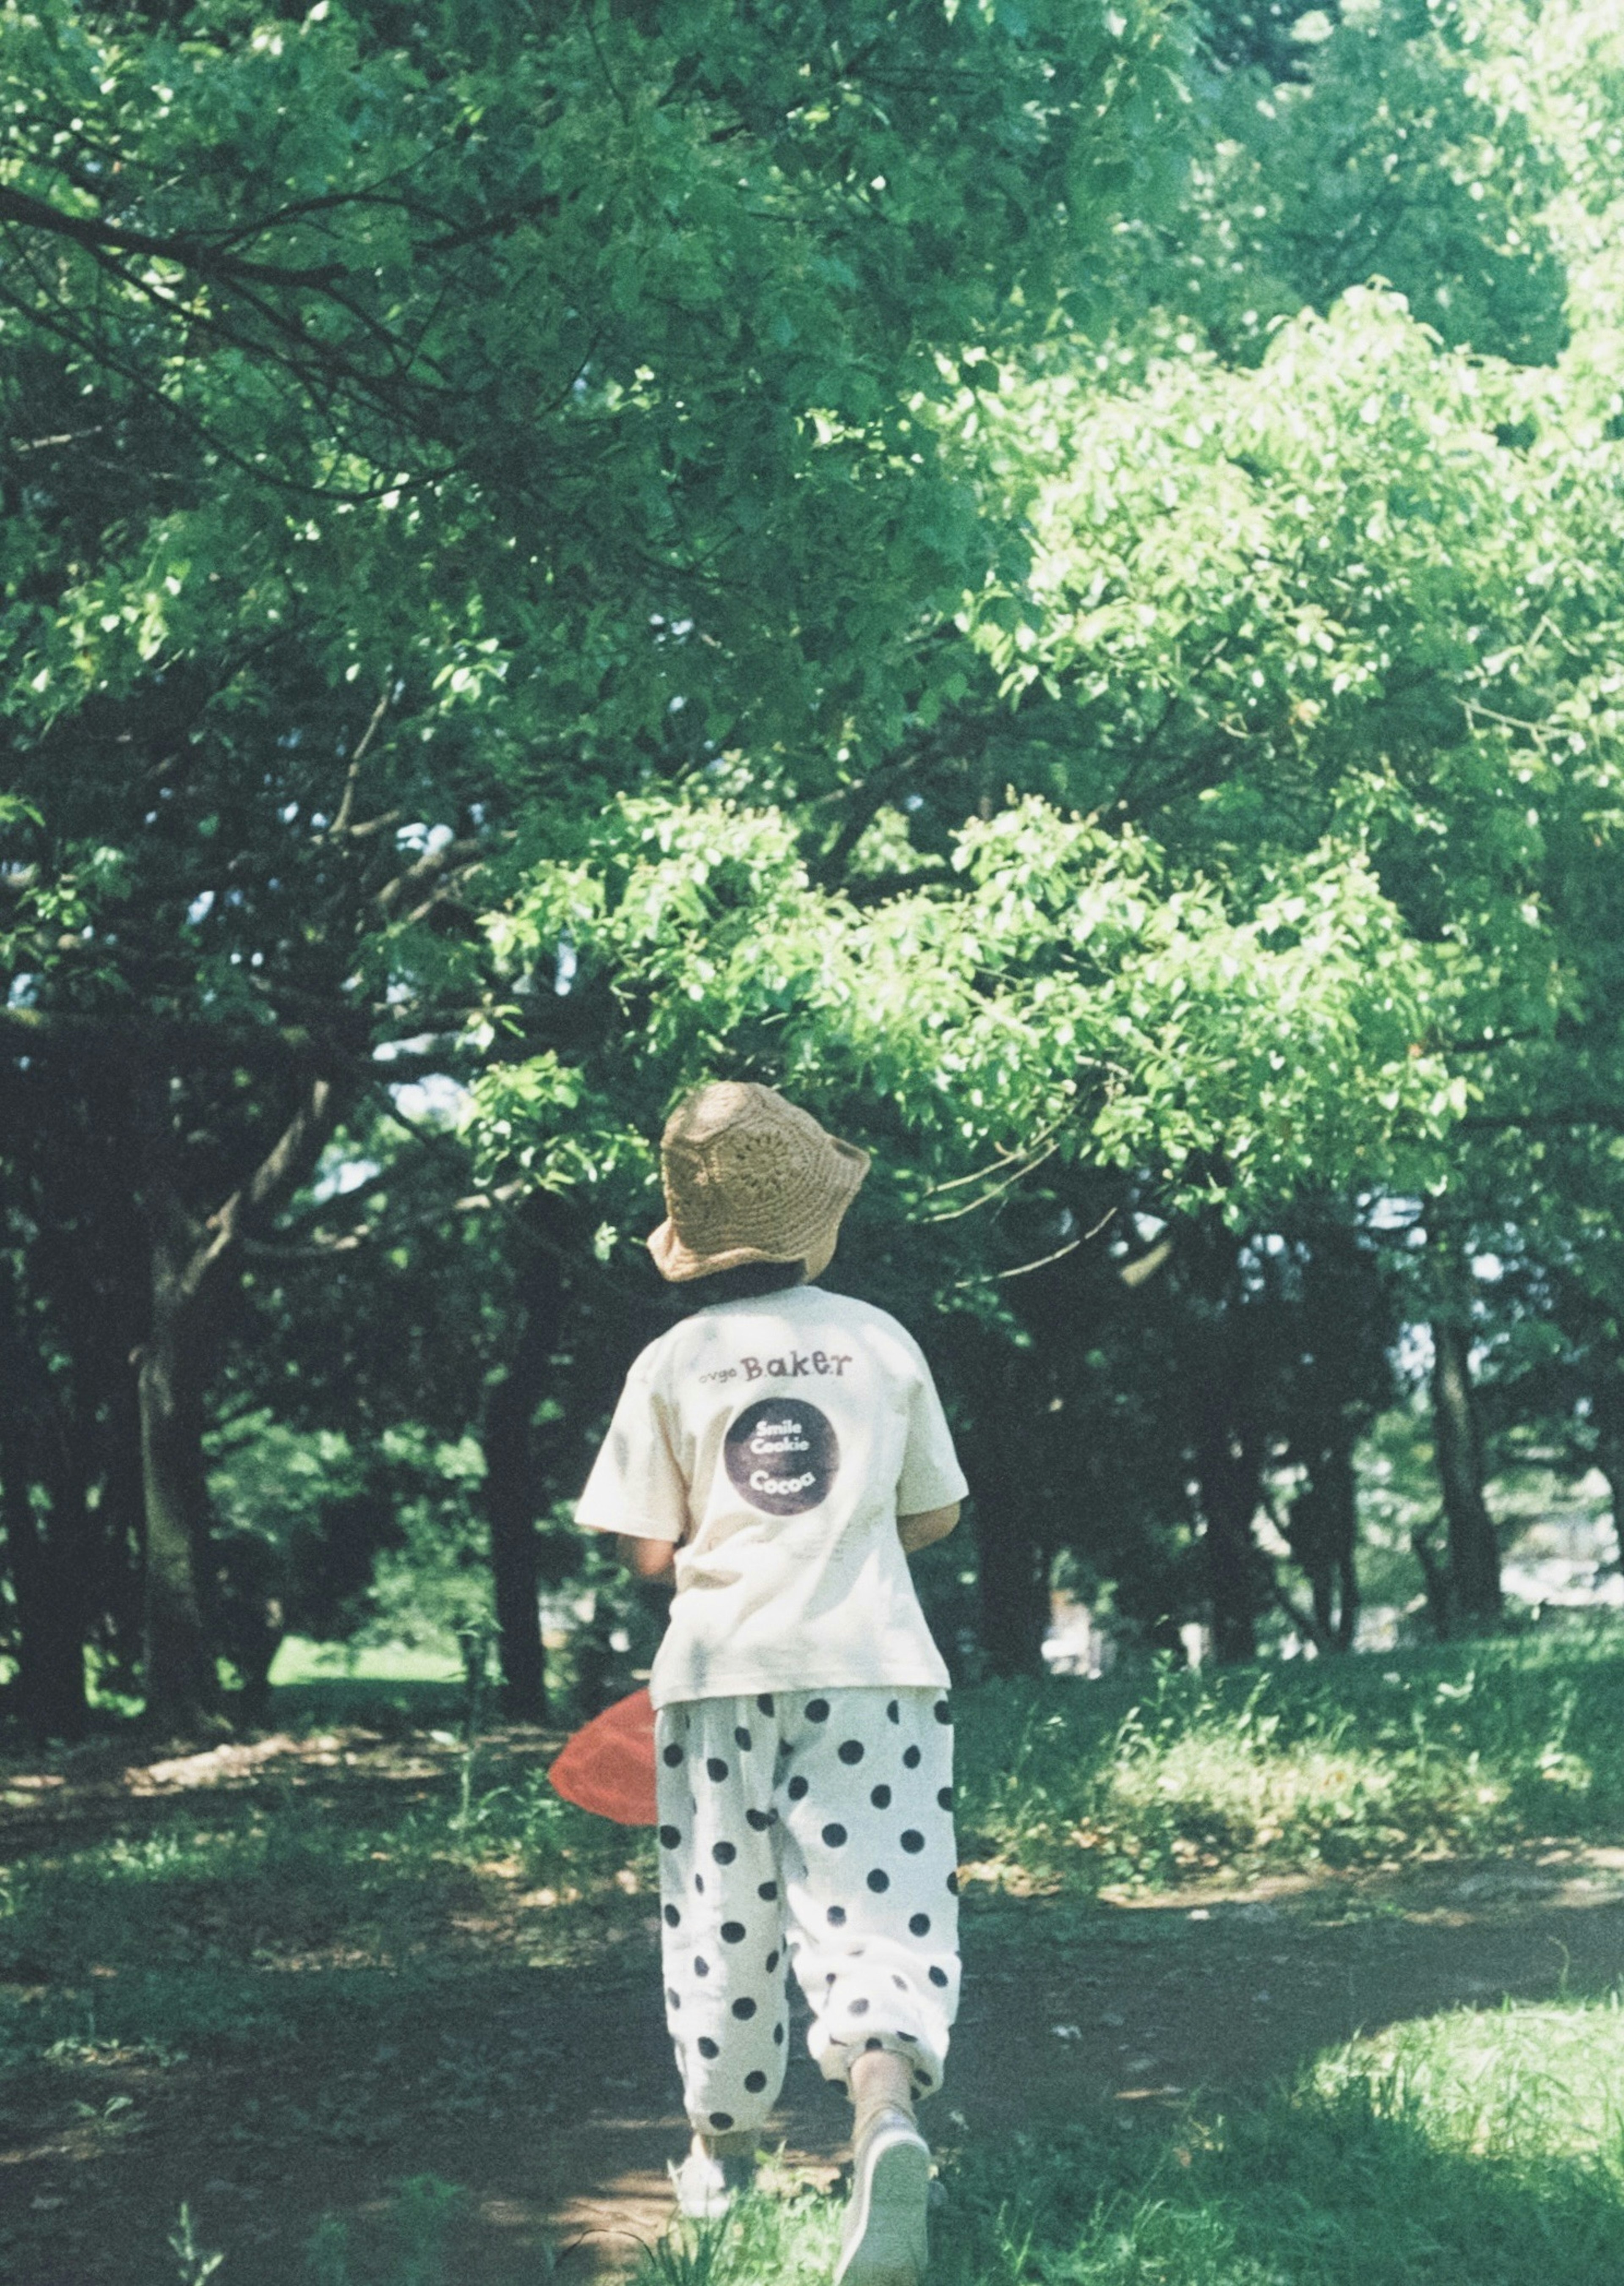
{"x": 1044, "y": 576}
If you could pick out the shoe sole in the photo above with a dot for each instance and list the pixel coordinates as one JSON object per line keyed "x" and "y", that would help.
{"x": 889, "y": 2197}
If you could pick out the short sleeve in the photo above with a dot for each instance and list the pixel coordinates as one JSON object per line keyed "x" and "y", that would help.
{"x": 636, "y": 1486}
{"x": 931, "y": 1475}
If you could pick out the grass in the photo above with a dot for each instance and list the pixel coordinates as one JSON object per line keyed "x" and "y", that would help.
{"x": 312, "y": 1908}
{"x": 1470, "y": 2150}
{"x": 1151, "y": 1781}
{"x": 181, "y": 1936}
{"x": 298, "y": 1660}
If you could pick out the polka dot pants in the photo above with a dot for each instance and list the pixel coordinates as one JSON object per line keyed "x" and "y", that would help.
{"x": 811, "y": 1830}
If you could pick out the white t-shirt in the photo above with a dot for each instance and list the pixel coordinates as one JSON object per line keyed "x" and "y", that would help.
{"x": 779, "y": 1441}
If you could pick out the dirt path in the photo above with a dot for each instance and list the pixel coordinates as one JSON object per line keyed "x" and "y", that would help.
{"x": 550, "y": 2095}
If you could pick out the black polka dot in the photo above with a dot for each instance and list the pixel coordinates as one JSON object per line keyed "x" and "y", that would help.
{"x": 938, "y": 1975}
{"x": 878, "y": 1880}
{"x": 857, "y": 2008}
{"x": 724, "y": 1853}
{"x": 764, "y": 1701}
{"x": 881, "y": 1797}
{"x": 755, "y": 2082}
{"x": 952, "y": 1883}
{"x": 893, "y": 1713}
{"x": 817, "y": 1710}
{"x": 920, "y": 1924}
{"x": 733, "y": 1932}
{"x": 757, "y": 1820}
{"x": 910, "y": 1758}
{"x": 834, "y": 1836}
{"x": 778, "y": 2036}
{"x": 673, "y": 1756}
{"x": 901, "y": 1983}
{"x": 943, "y": 1712}
{"x": 837, "y": 1916}
{"x": 913, "y": 1842}
{"x": 701, "y": 1967}
{"x": 798, "y": 1789}
{"x": 741, "y": 1739}
{"x": 672, "y": 1917}
{"x": 873, "y": 2042}
{"x": 722, "y": 2119}
{"x": 708, "y": 2047}
{"x": 772, "y": 1962}
{"x": 668, "y": 1835}
{"x": 716, "y": 1769}
{"x": 744, "y": 2009}
{"x": 768, "y": 1891}
{"x": 700, "y": 1883}
{"x": 675, "y": 1998}
{"x": 944, "y": 1798}
{"x": 850, "y": 1750}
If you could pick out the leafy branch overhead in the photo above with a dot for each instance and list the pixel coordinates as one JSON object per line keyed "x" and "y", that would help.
{"x": 1044, "y": 574}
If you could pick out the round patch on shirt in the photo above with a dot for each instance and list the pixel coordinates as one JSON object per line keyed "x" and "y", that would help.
{"x": 782, "y": 1455}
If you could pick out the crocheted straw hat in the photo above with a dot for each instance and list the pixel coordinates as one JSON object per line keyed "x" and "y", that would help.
{"x": 749, "y": 1177}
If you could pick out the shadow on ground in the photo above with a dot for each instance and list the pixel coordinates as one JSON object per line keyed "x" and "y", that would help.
{"x": 317, "y": 2075}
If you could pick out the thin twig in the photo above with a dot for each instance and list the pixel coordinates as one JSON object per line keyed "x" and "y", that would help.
{"x": 1024, "y": 1168}
{"x": 1025, "y": 1269}
{"x": 341, "y": 824}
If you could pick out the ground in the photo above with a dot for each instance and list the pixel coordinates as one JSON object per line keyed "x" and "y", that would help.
{"x": 445, "y": 2043}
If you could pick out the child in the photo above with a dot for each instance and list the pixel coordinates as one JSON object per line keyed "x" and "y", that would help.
{"x": 787, "y": 1447}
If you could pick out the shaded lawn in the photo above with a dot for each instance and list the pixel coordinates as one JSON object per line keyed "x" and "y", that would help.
{"x": 1339, "y": 2181}
{"x": 364, "y": 1945}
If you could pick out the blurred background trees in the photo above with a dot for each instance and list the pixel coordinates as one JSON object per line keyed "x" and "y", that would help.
{"x": 1046, "y": 577}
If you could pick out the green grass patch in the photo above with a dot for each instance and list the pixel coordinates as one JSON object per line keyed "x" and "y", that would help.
{"x": 1468, "y": 2151}
{"x": 300, "y": 1660}
{"x": 1172, "y": 1776}
{"x": 249, "y": 1920}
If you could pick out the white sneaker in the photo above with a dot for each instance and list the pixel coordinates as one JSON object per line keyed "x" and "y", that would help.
{"x": 884, "y": 2240}
{"x": 705, "y": 2187}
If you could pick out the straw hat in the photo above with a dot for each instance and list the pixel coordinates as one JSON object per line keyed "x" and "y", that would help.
{"x": 749, "y": 1177}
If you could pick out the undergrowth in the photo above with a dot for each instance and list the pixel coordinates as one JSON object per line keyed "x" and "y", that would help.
{"x": 1173, "y": 1776}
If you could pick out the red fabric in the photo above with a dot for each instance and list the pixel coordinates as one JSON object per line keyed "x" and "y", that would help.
{"x": 609, "y": 1766}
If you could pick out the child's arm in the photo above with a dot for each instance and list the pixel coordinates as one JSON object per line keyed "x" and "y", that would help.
{"x": 650, "y": 1559}
{"x": 923, "y": 1530}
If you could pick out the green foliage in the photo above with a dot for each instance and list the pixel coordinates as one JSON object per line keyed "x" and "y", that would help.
{"x": 195, "y": 2266}
{"x": 1045, "y": 577}
{"x": 1368, "y": 146}
{"x": 1070, "y": 989}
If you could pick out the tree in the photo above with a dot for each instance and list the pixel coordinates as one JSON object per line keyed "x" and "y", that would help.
{"x": 492, "y": 406}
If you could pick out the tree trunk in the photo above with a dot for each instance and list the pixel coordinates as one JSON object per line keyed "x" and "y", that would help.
{"x": 511, "y": 1493}
{"x": 193, "y": 1263}
{"x": 1474, "y": 1553}
{"x": 116, "y": 1603}
{"x": 181, "y": 1678}
{"x": 1322, "y": 1529}
{"x": 1607, "y": 1403}
{"x": 1014, "y": 1595}
{"x": 48, "y": 1554}
{"x": 1011, "y": 1567}
{"x": 1230, "y": 1492}
{"x": 47, "y": 1585}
